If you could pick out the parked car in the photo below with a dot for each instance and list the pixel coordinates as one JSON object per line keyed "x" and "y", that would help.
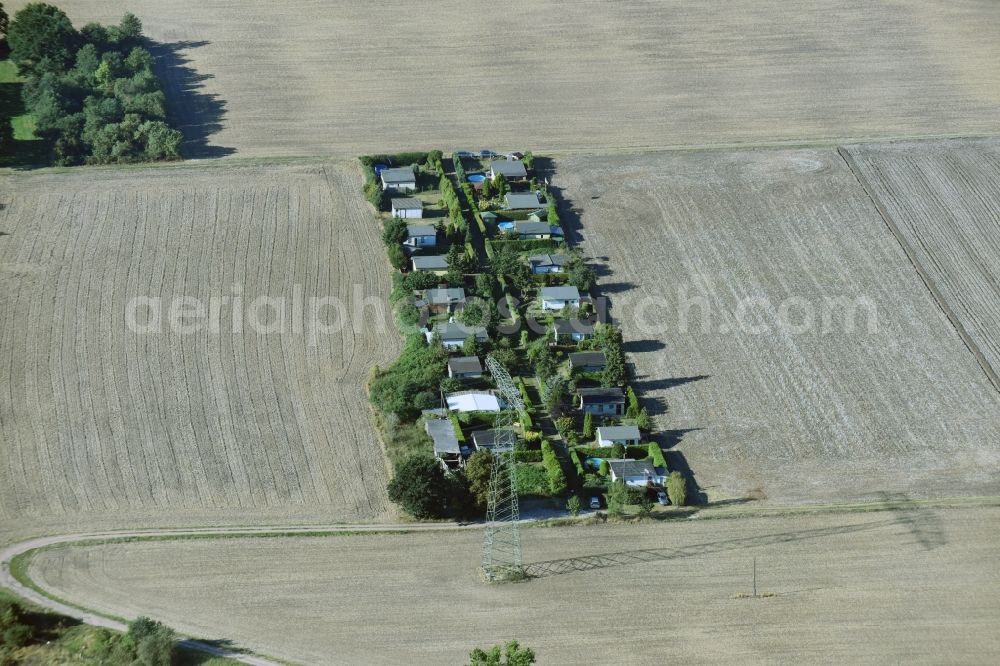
{"x": 595, "y": 502}
{"x": 487, "y": 154}
{"x": 661, "y": 497}
{"x": 463, "y": 153}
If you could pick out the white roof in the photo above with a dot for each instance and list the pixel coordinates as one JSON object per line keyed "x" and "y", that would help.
{"x": 472, "y": 401}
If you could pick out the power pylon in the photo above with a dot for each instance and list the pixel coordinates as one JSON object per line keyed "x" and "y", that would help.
{"x": 502, "y": 541}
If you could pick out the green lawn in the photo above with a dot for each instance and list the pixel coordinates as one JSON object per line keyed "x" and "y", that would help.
{"x": 28, "y": 149}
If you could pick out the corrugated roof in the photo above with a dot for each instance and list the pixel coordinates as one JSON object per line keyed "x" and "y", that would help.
{"x": 420, "y": 230}
{"x": 399, "y": 175}
{"x": 442, "y": 433}
{"x": 521, "y": 200}
{"x": 585, "y": 359}
{"x": 618, "y": 432}
{"x": 509, "y": 168}
{"x": 564, "y": 293}
{"x": 464, "y": 364}
{"x": 431, "y": 262}
{"x": 407, "y": 203}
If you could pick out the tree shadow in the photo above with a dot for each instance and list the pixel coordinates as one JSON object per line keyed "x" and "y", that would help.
{"x": 197, "y": 114}
{"x": 24, "y": 154}
{"x": 615, "y": 287}
{"x": 641, "y": 386}
{"x": 642, "y": 346}
{"x": 624, "y": 558}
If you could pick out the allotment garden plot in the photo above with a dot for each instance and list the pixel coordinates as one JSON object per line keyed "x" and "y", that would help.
{"x": 735, "y": 277}
{"x": 104, "y": 420}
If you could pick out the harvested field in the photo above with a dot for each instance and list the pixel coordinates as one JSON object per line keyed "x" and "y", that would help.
{"x": 107, "y": 424}
{"x": 306, "y": 77}
{"x": 943, "y": 199}
{"x": 918, "y": 586}
{"x": 788, "y": 343}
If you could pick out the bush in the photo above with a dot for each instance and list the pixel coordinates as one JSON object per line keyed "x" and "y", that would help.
{"x": 16, "y": 635}
{"x": 420, "y": 487}
{"x": 528, "y": 455}
{"x": 573, "y": 505}
{"x": 411, "y": 383}
{"x": 532, "y": 480}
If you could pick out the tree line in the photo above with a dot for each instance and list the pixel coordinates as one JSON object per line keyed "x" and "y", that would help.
{"x": 92, "y": 92}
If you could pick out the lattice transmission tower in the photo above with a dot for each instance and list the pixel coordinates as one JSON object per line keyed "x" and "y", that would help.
{"x": 502, "y": 542}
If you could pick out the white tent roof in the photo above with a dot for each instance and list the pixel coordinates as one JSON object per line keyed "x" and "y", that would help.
{"x": 472, "y": 401}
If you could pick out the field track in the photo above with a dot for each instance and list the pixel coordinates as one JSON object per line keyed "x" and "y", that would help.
{"x": 304, "y": 77}
{"x": 103, "y": 425}
{"x": 913, "y": 584}
{"x": 705, "y": 250}
{"x": 943, "y": 199}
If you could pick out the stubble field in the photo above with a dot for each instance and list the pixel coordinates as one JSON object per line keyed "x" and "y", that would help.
{"x": 304, "y": 77}
{"x": 917, "y": 586}
{"x": 944, "y": 200}
{"x": 106, "y": 424}
{"x": 777, "y": 325}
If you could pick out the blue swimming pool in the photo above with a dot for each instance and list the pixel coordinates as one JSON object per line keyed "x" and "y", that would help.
{"x": 476, "y": 178}
{"x": 505, "y": 226}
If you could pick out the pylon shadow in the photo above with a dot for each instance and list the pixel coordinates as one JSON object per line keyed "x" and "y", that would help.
{"x": 629, "y": 557}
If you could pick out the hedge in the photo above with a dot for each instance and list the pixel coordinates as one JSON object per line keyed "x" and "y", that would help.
{"x": 458, "y": 427}
{"x": 397, "y": 159}
{"x": 575, "y": 459}
{"x": 554, "y": 470}
{"x": 657, "y": 455}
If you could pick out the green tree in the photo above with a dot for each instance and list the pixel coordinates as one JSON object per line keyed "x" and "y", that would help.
{"x": 4, "y": 21}
{"x": 154, "y": 642}
{"x": 643, "y": 421}
{"x": 513, "y": 655}
{"x": 408, "y": 314}
{"x": 501, "y": 185}
{"x": 580, "y": 275}
{"x": 162, "y": 141}
{"x": 604, "y": 469}
{"x": 645, "y": 504}
{"x": 420, "y": 486}
{"x": 394, "y": 232}
{"x": 588, "y": 426}
{"x": 398, "y": 257}
{"x": 677, "y": 489}
{"x": 477, "y": 476}
{"x": 471, "y": 346}
{"x": 42, "y": 39}
{"x": 487, "y": 192}
{"x": 609, "y": 340}
{"x": 617, "y": 450}
{"x": 617, "y": 497}
{"x": 128, "y": 30}
{"x": 632, "y": 410}
{"x": 573, "y": 505}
